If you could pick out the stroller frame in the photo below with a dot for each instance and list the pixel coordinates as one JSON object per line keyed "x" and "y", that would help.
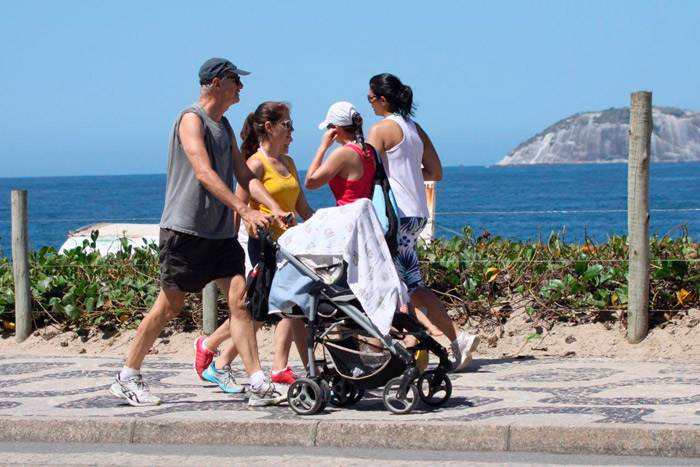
{"x": 310, "y": 394}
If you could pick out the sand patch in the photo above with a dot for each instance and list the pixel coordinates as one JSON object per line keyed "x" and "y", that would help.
{"x": 521, "y": 335}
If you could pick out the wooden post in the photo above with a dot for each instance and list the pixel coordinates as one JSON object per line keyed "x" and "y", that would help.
{"x": 20, "y": 264}
{"x": 210, "y": 320}
{"x": 429, "y": 230}
{"x": 638, "y": 216}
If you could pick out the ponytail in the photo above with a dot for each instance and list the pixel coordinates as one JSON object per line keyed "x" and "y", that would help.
{"x": 359, "y": 135}
{"x": 356, "y": 130}
{"x": 249, "y": 138}
{"x": 405, "y": 97}
{"x": 398, "y": 95}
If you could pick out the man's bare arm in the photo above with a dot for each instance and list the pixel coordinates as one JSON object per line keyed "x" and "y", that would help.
{"x": 247, "y": 180}
{"x": 192, "y": 138}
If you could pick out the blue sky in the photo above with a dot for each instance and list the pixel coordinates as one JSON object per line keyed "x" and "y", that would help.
{"x": 91, "y": 88}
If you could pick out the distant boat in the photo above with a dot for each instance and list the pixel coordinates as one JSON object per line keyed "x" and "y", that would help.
{"x": 109, "y": 239}
{"x": 110, "y": 234}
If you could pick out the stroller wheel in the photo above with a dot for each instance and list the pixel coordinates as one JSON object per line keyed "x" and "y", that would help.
{"x": 359, "y": 394}
{"x": 396, "y": 402}
{"x": 434, "y": 389}
{"x": 325, "y": 392}
{"x": 343, "y": 392}
{"x": 305, "y": 396}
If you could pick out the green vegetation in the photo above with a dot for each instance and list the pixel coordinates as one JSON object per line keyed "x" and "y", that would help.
{"x": 613, "y": 115}
{"x": 84, "y": 289}
{"x": 484, "y": 277}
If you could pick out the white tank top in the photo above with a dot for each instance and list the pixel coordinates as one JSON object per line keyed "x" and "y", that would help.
{"x": 405, "y": 171}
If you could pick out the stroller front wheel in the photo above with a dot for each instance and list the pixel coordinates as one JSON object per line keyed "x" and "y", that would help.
{"x": 305, "y": 396}
{"x": 434, "y": 389}
{"x": 396, "y": 402}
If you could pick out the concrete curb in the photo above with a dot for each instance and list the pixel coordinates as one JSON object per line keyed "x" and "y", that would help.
{"x": 571, "y": 439}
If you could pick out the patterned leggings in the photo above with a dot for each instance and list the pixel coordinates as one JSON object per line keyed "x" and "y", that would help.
{"x": 407, "y": 258}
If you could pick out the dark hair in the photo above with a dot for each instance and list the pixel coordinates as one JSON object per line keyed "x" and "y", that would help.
{"x": 253, "y": 131}
{"x": 356, "y": 129}
{"x": 398, "y": 95}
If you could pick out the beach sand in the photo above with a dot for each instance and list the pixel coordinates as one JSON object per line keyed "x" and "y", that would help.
{"x": 520, "y": 336}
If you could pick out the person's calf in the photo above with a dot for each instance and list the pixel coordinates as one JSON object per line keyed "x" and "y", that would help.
{"x": 241, "y": 323}
{"x": 146, "y": 335}
{"x": 219, "y": 336}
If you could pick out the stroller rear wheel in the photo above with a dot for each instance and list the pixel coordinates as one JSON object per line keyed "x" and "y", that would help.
{"x": 396, "y": 402}
{"x": 434, "y": 389}
{"x": 305, "y": 396}
{"x": 325, "y": 392}
{"x": 343, "y": 392}
{"x": 359, "y": 394}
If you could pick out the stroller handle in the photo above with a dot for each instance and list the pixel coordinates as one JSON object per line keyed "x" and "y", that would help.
{"x": 264, "y": 233}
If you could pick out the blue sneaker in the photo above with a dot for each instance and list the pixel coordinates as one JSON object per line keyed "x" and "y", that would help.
{"x": 224, "y": 379}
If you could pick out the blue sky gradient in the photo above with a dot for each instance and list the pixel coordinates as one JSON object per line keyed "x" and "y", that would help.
{"x": 92, "y": 88}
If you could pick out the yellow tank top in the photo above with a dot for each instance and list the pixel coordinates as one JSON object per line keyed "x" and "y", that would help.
{"x": 284, "y": 190}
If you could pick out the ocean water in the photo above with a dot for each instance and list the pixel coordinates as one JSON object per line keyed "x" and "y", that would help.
{"x": 511, "y": 202}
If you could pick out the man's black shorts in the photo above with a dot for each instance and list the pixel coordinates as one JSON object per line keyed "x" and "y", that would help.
{"x": 188, "y": 262}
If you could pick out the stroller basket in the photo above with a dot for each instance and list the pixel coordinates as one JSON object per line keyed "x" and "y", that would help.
{"x": 365, "y": 369}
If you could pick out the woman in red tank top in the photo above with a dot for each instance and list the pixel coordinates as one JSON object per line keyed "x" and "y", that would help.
{"x": 349, "y": 169}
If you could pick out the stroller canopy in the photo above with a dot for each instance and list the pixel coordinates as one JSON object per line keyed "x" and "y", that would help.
{"x": 353, "y": 232}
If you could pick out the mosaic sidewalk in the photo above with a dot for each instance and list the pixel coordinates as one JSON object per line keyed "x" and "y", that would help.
{"x": 497, "y": 398}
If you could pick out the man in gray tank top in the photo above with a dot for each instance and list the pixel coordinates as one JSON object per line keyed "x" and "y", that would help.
{"x": 197, "y": 241}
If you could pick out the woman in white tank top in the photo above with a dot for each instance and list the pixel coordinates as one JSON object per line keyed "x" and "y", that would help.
{"x": 410, "y": 159}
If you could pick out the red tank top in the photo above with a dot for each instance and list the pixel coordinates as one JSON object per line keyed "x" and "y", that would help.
{"x": 348, "y": 191}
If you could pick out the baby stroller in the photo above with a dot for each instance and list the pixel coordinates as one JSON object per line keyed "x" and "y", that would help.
{"x": 357, "y": 355}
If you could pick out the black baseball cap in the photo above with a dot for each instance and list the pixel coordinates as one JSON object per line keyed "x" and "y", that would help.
{"x": 216, "y": 67}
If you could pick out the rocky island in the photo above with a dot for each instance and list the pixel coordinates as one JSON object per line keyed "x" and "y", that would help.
{"x": 603, "y": 137}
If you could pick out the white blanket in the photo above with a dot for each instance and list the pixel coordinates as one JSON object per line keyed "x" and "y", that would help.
{"x": 354, "y": 231}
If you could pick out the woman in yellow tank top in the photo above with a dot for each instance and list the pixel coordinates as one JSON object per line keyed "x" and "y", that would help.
{"x": 279, "y": 176}
{"x": 266, "y": 136}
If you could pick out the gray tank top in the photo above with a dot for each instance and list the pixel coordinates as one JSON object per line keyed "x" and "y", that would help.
{"x": 189, "y": 207}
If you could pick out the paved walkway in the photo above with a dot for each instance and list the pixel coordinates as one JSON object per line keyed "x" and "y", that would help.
{"x": 552, "y": 405}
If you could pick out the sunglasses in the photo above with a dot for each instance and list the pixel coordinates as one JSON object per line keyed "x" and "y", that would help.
{"x": 371, "y": 98}
{"x": 330, "y": 126}
{"x": 236, "y": 79}
{"x": 287, "y": 124}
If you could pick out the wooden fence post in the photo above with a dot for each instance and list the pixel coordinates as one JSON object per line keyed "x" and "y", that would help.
{"x": 210, "y": 320}
{"x": 638, "y": 216}
{"x": 20, "y": 266}
{"x": 429, "y": 230}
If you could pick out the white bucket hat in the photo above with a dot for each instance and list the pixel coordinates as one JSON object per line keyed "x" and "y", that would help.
{"x": 340, "y": 114}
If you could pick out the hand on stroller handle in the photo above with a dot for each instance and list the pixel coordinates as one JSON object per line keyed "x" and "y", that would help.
{"x": 289, "y": 218}
{"x": 261, "y": 231}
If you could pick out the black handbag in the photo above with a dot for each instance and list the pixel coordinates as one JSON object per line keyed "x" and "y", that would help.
{"x": 385, "y": 205}
{"x": 259, "y": 280}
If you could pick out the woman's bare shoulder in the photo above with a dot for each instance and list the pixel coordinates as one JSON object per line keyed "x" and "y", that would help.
{"x": 342, "y": 151}
{"x": 386, "y": 124}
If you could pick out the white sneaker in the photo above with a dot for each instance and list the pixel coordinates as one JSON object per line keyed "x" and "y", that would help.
{"x": 462, "y": 351}
{"x": 269, "y": 394}
{"x": 134, "y": 391}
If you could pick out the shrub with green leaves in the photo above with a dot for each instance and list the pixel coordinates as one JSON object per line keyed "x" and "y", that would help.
{"x": 562, "y": 281}
{"x": 482, "y": 276}
{"x": 81, "y": 287}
